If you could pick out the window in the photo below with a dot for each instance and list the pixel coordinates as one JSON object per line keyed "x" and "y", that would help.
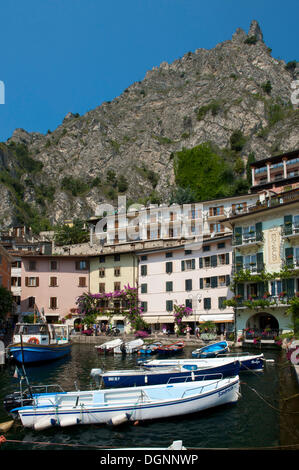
{"x": 53, "y": 303}
{"x": 143, "y": 257}
{"x": 81, "y": 265}
{"x": 188, "y": 264}
{"x": 15, "y": 282}
{"x": 31, "y": 302}
{"x": 169, "y": 286}
{"x": 82, "y": 282}
{"x": 213, "y": 211}
{"x": 249, "y": 261}
{"x": 168, "y": 267}
{"x": 220, "y": 245}
{"x": 117, "y": 257}
{"x": 143, "y": 288}
{"x": 15, "y": 264}
{"x": 53, "y": 281}
{"x": 206, "y": 248}
{"x": 222, "y": 281}
{"x": 223, "y": 259}
{"x": 53, "y": 265}
{"x": 169, "y": 305}
{"x": 221, "y": 304}
{"x": 188, "y": 252}
{"x": 102, "y": 272}
{"x": 188, "y": 303}
{"x": 207, "y": 282}
{"x": 217, "y": 228}
{"x": 117, "y": 286}
{"x": 143, "y": 270}
{"x": 102, "y": 287}
{"x": 102, "y": 259}
{"x": 188, "y": 284}
{"x": 168, "y": 254}
{"x": 32, "y": 265}
{"x": 144, "y": 306}
{"x": 207, "y": 303}
{"x": 31, "y": 281}
{"x": 117, "y": 271}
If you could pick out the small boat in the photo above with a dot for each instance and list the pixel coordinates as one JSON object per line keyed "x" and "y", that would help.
{"x": 149, "y": 348}
{"x": 39, "y": 342}
{"x": 211, "y": 350}
{"x": 115, "y": 406}
{"x": 247, "y": 362}
{"x": 109, "y": 346}
{"x": 166, "y": 375}
{"x": 129, "y": 347}
{"x": 173, "y": 348}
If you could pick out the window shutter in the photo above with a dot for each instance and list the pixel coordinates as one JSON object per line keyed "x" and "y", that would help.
{"x": 188, "y": 284}
{"x": 238, "y": 235}
{"x": 290, "y": 287}
{"x": 260, "y": 262}
{"x": 259, "y": 231}
{"x": 239, "y": 263}
{"x": 169, "y": 267}
{"x": 214, "y": 261}
{"x": 240, "y": 290}
{"x": 226, "y": 258}
{"x": 200, "y": 263}
{"x": 26, "y": 281}
{"x": 37, "y": 281}
{"x": 201, "y": 283}
{"x": 214, "y": 281}
{"x": 227, "y": 280}
{"x": 183, "y": 265}
{"x": 193, "y": 263}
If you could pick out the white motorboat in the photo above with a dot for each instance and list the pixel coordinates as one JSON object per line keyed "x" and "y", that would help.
{"x": 129, "y": 347}
{"x": 115, "y": 406}
{"x": 109, "y": 346}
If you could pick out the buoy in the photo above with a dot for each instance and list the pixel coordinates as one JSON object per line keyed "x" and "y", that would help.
{"x": 136, "y": 423}
{"x": 4, "y": 427}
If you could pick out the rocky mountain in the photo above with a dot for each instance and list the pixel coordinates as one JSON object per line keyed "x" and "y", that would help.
{"x": 127, "y": 146}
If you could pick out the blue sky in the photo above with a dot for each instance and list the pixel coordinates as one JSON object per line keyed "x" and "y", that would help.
{"x": 72, "y": 55}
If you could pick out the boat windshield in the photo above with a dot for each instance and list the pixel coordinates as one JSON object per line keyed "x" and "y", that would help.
{"x": 31, "y": 329}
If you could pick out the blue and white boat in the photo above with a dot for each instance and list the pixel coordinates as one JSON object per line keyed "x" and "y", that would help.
{"x": 39, "y": 342}
{"x": 166, "y": 375}
{"x": 247, "y": 361}
{"x": 115, "y": 406}
{"x": 149, "y": 348}
{"x": 211, "y": 350}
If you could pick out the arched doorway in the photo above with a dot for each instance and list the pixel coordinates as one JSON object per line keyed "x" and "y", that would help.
{"x": 262, "y": 321}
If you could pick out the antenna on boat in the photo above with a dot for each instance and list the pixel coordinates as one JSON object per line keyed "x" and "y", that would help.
{"x": 23, "y": 367}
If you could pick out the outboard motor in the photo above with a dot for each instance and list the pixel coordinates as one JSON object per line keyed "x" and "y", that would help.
{"x": 16, "y": 400}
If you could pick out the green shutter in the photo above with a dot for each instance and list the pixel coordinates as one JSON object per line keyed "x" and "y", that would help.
{"x": 193, "y": 263}
{"x": 183, "y": 265}
{"x": 259, "y": 231}
{"x": 201, "y": 283}
{"x": 200, "y": 262}
{"x": 214, "y": 261}
{"x": 169, "y": 286}
{"x": 290, "y": 287}
{"x": 214, "y": 281}
{"x": 260, "y": 262}
{"x": 289, "y": 255}
{"x": 227, "y": 280}
{"x": 240, "y": 290}
{"x": 287, "y": 220}
{"x": 169, "y": 267}
{"x": 261, "y": 288}
{"x": 188, "y": 284}
{"x": 226, "y": 258}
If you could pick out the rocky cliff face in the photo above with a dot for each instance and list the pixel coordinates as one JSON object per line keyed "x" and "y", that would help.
{"x": 126, "y": 146}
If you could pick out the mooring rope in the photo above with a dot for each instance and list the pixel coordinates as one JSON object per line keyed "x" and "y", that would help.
{"x": 269, "y": 404}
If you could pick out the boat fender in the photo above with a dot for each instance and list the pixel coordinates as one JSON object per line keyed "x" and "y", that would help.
{"x": 119, "y": 419}
{"x": 192, "y": 375}
{"x": 145, "y": 379}
{"x": 44, "y": 423}
{"x": 68, "y": 421}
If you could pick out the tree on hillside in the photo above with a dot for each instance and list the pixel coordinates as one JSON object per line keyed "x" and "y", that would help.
{"x": 71, "y": 234}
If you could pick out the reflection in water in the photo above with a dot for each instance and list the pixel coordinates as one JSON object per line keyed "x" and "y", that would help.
{"x": 226, "y": 427}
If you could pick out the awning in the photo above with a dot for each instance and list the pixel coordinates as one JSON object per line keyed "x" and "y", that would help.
{"x": 217, "y": 318}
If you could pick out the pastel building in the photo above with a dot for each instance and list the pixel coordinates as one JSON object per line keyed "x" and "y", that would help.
{"x": 53, "y": 283}
{"x": 197, "y": 277}
{"x": 266, "y": 254}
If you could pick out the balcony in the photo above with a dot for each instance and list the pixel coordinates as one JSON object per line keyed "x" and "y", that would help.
{"x": 260, "y": 302}
{"x": 252, "y": 268}
{"x": 248, "y": 239}
{"x": 290, "y": 230}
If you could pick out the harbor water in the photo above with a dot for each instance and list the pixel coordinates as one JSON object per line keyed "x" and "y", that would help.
{"x": 255, "y": 421}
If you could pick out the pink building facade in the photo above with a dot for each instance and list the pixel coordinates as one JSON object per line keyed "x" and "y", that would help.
{"x": 198, "y": 278}
{"x": 53, "y": 283}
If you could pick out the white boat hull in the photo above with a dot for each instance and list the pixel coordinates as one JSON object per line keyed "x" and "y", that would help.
{"x": 131, "y": 404}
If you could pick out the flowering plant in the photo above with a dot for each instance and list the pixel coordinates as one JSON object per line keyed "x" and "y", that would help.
{"x": 181, "y": 311}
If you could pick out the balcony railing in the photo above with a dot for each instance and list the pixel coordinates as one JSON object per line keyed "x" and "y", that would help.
{"x": 253, "y": 268}
{"x": 290, "y": 229}
{"x": 248, "y": 238}
{"x": 265, "y": 301}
